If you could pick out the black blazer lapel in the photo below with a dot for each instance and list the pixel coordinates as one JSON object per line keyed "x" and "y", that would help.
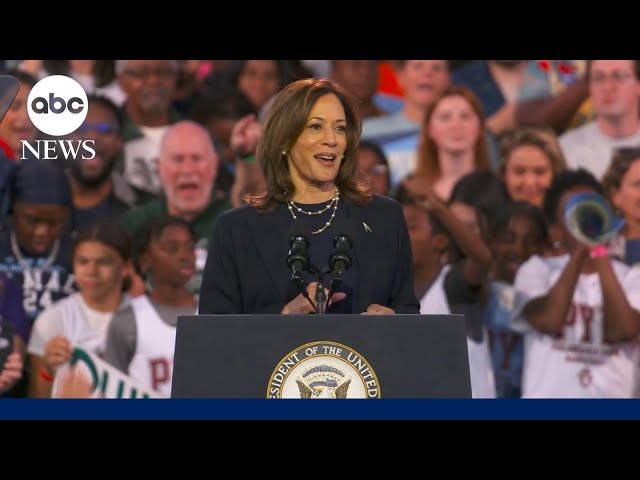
{"x": 270, "y": 237}
{"x": 364, "y": 248}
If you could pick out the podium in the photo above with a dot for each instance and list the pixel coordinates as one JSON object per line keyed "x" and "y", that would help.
{"x": 321, "y": 356}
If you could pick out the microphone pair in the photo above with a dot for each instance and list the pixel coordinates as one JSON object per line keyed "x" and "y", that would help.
{"x": 339, "y": 260}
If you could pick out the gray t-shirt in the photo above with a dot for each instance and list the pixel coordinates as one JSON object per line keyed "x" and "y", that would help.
{"x": 122, "y": 334}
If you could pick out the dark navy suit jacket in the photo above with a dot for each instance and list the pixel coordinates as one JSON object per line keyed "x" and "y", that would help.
{"x": 246, "y": 270}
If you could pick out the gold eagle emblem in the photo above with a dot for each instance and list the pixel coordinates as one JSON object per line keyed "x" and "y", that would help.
{"x": 323, "y": 381}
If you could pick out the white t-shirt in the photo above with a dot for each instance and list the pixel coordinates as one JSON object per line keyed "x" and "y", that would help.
{"x": 587, "y": 147}
{"x": 73, "y": 318}
{"x": 579, "y": 364}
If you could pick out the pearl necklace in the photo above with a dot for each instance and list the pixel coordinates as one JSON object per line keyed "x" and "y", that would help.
{"x": 334, "y": 202}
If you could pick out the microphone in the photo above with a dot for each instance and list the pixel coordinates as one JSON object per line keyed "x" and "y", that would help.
{"x": 298, "y": 257}
{"x": 340, "y": 258}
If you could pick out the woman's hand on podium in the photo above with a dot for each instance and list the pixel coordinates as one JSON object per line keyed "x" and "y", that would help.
{"x": 301, "y": 305}
{"x": 375, "y": 309}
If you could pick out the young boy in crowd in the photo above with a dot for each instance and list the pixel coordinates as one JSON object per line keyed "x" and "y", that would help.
{"x": 519, "y": 231}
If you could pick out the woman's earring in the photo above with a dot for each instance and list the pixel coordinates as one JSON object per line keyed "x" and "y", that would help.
{"x": 284, "y": 153}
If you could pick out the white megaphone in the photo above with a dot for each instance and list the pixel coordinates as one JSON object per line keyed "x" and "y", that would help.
{"x": 589, "y": 218}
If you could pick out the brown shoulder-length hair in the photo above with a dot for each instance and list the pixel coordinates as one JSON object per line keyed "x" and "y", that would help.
{"x": 620, "y": 164}
{"x": 428, "y": 164}
{"x": 285, "y": 122}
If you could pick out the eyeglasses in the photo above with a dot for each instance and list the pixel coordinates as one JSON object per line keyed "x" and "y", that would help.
{"x": 103, "y": 128}
{"x": 618, "y": 77}
{"x": 144, "y": 73}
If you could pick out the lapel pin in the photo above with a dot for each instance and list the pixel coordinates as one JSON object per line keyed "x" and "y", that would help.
{"x": 366, "y": 227}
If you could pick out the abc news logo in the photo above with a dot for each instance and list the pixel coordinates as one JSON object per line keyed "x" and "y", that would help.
{"x": 57, "y": 105}
{"x": 40, "y": 105}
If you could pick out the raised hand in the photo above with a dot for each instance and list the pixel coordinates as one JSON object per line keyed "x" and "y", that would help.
{"x": 421, "y": 191}
{"x": 245, "y": 135}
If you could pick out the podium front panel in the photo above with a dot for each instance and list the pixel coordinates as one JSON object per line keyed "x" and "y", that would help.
{"x": 317, "y": 356}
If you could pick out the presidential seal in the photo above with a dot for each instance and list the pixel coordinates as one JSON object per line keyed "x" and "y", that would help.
{"x": 323, "y": 370}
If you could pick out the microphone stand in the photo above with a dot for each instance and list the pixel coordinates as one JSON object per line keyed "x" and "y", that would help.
{"x": 298, "y": 281}
{"x": 339, "y": 262}
{"x": 321, "y": 299}
{"x": 336, "y": 283}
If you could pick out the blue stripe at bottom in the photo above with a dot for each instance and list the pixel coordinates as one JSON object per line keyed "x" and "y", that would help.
{"x": 255, "y": 409}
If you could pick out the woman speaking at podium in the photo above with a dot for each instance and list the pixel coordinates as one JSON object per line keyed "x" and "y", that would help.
{"x": 315, "y": 223}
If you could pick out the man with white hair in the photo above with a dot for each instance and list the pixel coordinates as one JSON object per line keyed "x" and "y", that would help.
{"x": 187, "y": 166}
